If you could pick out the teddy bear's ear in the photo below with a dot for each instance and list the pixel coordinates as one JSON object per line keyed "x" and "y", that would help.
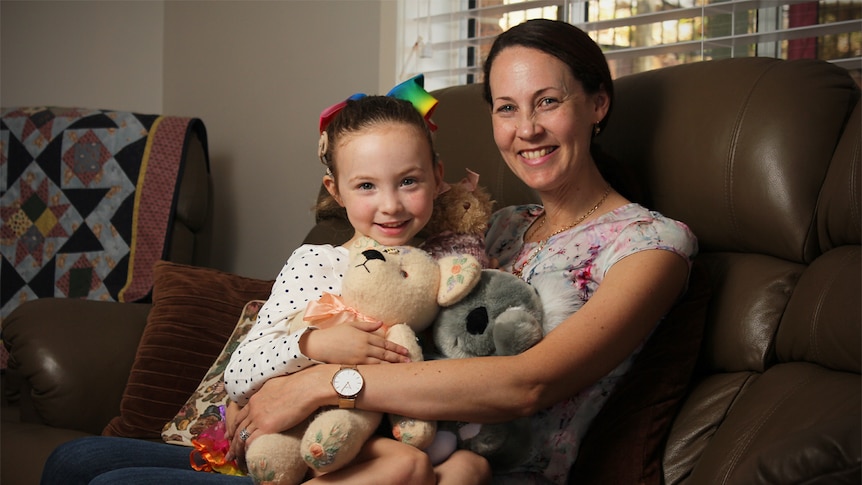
{"x": 459, "y": 274}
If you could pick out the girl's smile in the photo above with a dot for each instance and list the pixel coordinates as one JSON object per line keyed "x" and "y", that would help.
{"x": 387, "y": 181}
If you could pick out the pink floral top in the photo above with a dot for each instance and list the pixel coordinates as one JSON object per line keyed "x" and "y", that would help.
{"x": 566, "y": 272}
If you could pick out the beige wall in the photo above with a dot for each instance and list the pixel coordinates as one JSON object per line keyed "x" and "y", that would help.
{"x": 257, "y": 72}
{"x": 91, "y": 54}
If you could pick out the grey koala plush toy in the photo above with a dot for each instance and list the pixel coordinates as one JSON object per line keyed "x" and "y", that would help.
{"x": 502, "y": 315}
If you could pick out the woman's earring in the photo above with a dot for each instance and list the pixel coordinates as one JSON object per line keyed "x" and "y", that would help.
{"x": 596, "y": 129}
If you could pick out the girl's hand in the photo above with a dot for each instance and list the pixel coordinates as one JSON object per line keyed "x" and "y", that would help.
{"x": 354, "y": 343}
{"x": 280, "y": 404}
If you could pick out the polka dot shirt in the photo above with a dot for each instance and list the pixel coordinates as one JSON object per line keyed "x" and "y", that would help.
{"x": 269, "y": 350}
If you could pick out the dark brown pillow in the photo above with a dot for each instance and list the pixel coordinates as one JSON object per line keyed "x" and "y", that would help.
{"x": 625, "y": 442}
{"x": 194, "y": 312}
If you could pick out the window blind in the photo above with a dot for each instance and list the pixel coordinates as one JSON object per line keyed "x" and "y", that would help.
{"x": 447, "y": 40}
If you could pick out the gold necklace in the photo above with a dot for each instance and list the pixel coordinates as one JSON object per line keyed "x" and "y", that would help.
{"x": 518, "y": 271}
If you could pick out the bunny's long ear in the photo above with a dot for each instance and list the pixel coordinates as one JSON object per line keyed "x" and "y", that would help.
{"x": 459, "y": 274}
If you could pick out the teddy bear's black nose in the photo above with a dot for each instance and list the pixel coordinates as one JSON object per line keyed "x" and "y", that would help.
{"x": 477, "y": 320}
{"x": 369, "y": 255}
{"x": 373, "y": 254}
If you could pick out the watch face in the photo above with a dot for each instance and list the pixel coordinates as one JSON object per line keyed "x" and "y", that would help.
{"x": 347, "y": 382}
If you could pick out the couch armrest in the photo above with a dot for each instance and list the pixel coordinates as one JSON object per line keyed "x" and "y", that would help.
{"x": 74, "y": 357}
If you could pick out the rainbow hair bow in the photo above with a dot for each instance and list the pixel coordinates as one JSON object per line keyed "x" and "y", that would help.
{"x": 412, "y": 90}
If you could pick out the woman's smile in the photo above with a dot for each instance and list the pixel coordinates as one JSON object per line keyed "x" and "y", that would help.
{"x": 536, "y": 155}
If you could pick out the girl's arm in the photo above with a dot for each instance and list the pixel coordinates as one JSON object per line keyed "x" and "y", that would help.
{"x": 581, "y": 350}
{"x": 270, "y": 350}
{"x": 636, "y": 292}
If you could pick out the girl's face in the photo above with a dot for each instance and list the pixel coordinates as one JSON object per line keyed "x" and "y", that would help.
{"x": 542, "y": 118}
{"x": 387, "y": 182}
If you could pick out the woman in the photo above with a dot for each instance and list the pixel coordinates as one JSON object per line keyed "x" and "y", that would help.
{"x": 620, "y": 266}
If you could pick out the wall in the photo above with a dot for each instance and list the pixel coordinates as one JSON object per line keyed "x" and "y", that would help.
{"x": 257, "y": 72}
{"x": 91, "y": 54}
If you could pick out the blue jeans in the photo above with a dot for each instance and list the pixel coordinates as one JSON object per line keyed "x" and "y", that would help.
{"x": 105, "y": 460}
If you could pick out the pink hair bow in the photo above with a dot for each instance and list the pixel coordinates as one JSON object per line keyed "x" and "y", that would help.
{"x": 471, "y": 181}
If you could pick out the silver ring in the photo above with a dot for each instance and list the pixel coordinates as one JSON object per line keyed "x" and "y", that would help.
{"x": 243, "y": 434}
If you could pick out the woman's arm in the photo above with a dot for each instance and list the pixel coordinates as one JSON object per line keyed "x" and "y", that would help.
{"x": 636, "y": 292}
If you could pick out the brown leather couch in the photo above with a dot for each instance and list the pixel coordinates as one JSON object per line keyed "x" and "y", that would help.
{"x": 762, "y": 159}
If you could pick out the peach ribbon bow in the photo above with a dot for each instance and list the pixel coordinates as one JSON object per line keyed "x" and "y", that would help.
{"x": 330, "y": 310}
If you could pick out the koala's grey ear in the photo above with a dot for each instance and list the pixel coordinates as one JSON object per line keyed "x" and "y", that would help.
{"x": 459, "y": 274}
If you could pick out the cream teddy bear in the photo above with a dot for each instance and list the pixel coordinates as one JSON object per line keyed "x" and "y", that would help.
{"x": 402, "y": 286}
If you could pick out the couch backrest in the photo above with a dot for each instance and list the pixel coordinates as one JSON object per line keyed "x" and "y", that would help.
{"x": 738, "y": 149}
{"x": 761, "y": 158}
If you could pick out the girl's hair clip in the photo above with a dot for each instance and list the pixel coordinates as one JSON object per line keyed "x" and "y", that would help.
{"x": 412, "y": 90}
{"x": 322, "y": 148}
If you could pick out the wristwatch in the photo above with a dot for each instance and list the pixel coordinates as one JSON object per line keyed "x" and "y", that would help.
{"x": 347, "y": 382}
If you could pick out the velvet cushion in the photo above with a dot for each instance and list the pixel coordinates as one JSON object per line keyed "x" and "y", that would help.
{"x": 194, "y": 312}
{"x": 202, "y": 409}
{"x": 625, "y": 442}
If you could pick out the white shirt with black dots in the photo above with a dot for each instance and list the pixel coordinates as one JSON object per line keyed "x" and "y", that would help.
{"x": 269, "y": 350}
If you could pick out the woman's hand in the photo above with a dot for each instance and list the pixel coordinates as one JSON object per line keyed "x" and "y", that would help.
{"x": 237, "y": 448}
{"x": 356, "y": 342}
{"x": 280, "y": 404}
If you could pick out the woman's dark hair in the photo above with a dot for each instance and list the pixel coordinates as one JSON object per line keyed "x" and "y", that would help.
{"x": 567, "y": 43}
{"x": 356, "y": 116}
{"x": 588, "y": 65}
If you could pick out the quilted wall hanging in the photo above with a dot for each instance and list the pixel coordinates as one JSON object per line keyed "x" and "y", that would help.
{"x": 86, "y": 203}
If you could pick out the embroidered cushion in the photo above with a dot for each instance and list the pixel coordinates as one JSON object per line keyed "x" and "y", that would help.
{"x": 202, "y": 408}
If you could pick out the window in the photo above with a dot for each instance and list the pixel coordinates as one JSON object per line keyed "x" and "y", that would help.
{"x": 448, "y": 39}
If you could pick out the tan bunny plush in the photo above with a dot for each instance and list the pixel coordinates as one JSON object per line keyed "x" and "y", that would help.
{"x": 405, "y": 288}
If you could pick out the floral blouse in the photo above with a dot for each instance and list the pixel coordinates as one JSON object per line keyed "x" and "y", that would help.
{"x": 571, "y": 266}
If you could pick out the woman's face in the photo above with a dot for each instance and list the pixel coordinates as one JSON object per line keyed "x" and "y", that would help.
{"x": 387, "y": 181}
{"x": 542, "y": 118}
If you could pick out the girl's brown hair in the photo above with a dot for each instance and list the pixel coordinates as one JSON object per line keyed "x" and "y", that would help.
{"x": 356, "y": 116}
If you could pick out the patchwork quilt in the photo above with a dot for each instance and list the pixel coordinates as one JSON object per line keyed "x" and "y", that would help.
{"x": 86, "y": 198}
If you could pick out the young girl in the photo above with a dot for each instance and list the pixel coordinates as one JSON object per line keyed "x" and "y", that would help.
{"x": 381, "y": 168}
